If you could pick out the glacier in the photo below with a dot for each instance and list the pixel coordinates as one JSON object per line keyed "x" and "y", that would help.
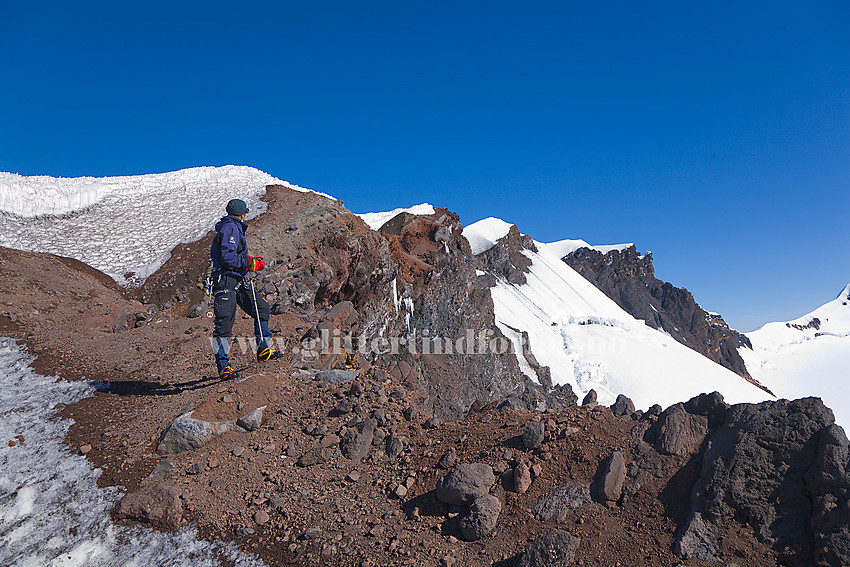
{"x": 124, "y": 226}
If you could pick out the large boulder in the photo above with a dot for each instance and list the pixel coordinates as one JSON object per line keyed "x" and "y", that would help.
{"x": 609, "y": 486}
{"x": 555, "y": 549}
{"x": 465, "y": 484}
{"x": 480, "y": 520}
{"x": 154, "y": 503}
{"x": 356, "y": 444}
{"x": 522, "y": 478}
{"x": 533, "y": 434}
{"x": 252, "y": 421}
{"x": 679, "y": 432}
{"x": 623, "y": 406}
{"x": 186, "y": 433}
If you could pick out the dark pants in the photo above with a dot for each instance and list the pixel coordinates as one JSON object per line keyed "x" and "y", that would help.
{"x": 232, "y": 291}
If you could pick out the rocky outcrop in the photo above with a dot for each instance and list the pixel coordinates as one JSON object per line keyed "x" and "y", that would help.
{"x": 629, "y": 279}
{"x": 505, "y": 258}
{"x": 623, "y": 406}
{"x": 679, "y": 432}
{"x": 780, "y": 467}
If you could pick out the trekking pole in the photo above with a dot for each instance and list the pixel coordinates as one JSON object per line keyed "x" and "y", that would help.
{"x": 256, "y": 311}
{"x": 209, "y": 292}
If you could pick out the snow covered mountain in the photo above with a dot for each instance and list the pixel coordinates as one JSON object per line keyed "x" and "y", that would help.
{"x": 808, "y": 356}
{"x": 588, "y": 341}
{"x": 123, "y": 226}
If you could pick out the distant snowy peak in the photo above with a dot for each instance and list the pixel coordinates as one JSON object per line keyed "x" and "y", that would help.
{"x": 377, "y": 220}
{"x": 830, "y": 319}
{"x": 484, "y": 234}
{"x": 125, "y": 226}
{"x": 807, "y": 356}
{"x": 563, "y": 247}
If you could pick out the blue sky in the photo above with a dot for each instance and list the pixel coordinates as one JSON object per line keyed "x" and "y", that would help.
{"x": 715, "y": 134}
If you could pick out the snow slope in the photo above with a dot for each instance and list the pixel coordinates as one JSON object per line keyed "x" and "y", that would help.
{"x": 588, "y": 341}
{"x": 377, "y": 220}
{"x": 51, "y": 510}
{"x": 483, "y": 235}
{"x": 805, "y": 357}
{"x": 123, "y": 225}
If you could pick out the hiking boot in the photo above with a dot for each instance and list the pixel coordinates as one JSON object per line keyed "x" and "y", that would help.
{"x": 227, "y": 373}
{"x": 264, "y": 353}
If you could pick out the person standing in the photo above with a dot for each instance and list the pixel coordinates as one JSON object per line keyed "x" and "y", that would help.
{"x": 231, "y": 262}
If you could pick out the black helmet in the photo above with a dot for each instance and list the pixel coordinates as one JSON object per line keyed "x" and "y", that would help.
{"x": 237, "y": 207}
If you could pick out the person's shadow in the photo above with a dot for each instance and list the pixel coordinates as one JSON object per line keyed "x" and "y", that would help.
{"x": 148, "y": 388}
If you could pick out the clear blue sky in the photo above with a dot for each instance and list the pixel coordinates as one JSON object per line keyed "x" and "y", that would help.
{"x": 716, "y": 134}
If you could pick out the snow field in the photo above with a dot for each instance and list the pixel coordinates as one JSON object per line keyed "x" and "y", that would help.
{"x": 51, "y": 510}
{"x": 589, "y": 342}
{"x": 123, "y": 225}
{"x": 804, "y": 361}
{"x": 377, "y": 220}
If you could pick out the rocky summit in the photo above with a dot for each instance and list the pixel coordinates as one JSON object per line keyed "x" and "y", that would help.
{"x": 408, "y": 454}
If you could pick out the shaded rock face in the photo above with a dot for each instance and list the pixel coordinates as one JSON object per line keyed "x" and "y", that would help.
{"x": 629, "y": 279}
{"x": 782, "y": 468}
{"x": 439, "y": 296}
{"x": 505, "y": 259}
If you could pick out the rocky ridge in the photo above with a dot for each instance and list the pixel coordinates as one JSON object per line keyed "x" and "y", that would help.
{"x": 628, "y": 278}
{"x": 409, "y": 458}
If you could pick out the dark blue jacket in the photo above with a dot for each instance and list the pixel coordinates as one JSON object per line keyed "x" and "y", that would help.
{"x": 229, "y": 251}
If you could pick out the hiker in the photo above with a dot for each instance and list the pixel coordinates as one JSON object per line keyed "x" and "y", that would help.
{"x": 230, "y": 265}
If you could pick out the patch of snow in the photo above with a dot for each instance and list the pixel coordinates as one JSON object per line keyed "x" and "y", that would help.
{"x": 588, "y": 341}
{"x": 484, "y": 234}
{"x": 563, "y": 247}
{"x": 806, "y": 358}
{"x": 377, "y": 220}
{"x": 51, "y": 510}
{"x": 516, "y": 345}
{"x": 123, "y": 225}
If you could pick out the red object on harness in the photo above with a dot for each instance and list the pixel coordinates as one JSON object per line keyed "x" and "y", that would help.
{"x": 256, "y": 263}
